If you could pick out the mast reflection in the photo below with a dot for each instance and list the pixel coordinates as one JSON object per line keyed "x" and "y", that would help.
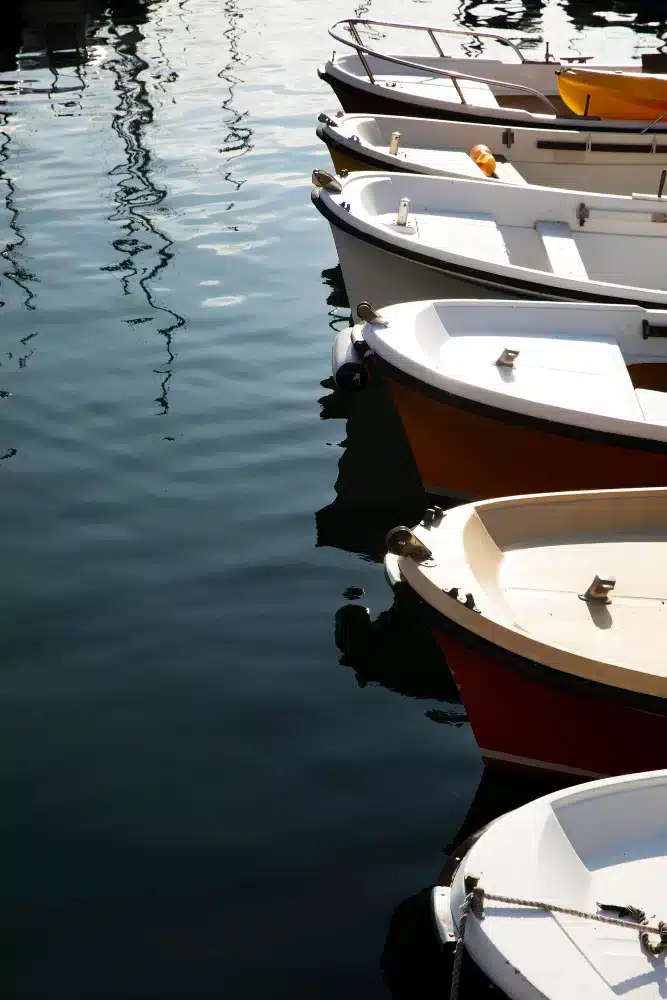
{"x": 145, "y": 250}
{"x": 12, "y": 252}
{"x": 237, "y": 141}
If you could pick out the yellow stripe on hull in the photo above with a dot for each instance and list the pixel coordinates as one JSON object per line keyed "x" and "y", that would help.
{"x": 475, "y": 455}
{"x": 624, "y": 96}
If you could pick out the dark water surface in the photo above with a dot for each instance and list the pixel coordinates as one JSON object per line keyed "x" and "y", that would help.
{"x": 201, "y": 795}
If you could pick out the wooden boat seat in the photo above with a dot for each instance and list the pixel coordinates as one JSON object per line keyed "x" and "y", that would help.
{"x": 561, "y": 250}
{"x": 653, "y": 404}
{"x": 442, "y": 89}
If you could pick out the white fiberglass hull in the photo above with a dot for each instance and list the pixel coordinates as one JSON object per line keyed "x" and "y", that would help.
{"x": 382, "y": 278}
{"x": 593, "y": 848}
{"x": 617, "y": 163}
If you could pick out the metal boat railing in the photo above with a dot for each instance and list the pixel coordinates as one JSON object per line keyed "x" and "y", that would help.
{"x": 364, "y": 50}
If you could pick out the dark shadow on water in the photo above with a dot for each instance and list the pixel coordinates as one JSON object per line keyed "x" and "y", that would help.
{"x": 414, "y": 965}
{"x": 397, "y": 652}
{"x": 378, "y": 485}
{"x": 332, "y": 278}
{"x": 56, "y": 33}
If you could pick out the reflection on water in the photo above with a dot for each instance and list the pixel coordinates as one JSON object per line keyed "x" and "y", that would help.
{"x": 398, "y": 653}
{"x": 378, "y": 485}
{"x": 12, "y": 251}
{"x": 184, "y": 749}
{"x": 237, "y": 140}
{"x": 524, "y": 16}
{"x": 145, "y": 250}
{"x": 56, "y": 33}
{"x": 643, "y": 15}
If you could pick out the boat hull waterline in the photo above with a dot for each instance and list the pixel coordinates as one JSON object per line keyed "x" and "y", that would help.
{"x": 525, "y": 719}
{"x": 469, "y": 452}
{"x": 580, "y": 404}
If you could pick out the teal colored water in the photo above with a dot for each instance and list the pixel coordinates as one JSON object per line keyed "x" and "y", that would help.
{"x": 202, "y": 795}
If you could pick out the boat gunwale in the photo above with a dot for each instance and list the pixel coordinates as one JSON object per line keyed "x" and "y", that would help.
{"x": 575, "y": 683}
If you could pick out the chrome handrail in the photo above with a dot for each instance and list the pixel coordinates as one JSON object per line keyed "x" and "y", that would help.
{"x": 428, "y": 28}
{"x": 364, "y": 50}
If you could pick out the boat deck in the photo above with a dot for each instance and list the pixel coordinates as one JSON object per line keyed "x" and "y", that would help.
{"x": 541, "y": 584}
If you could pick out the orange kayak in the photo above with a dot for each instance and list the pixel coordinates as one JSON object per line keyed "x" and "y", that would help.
{"x": 613, "y": 94}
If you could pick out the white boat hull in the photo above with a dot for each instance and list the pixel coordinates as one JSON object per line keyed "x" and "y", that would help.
{"x": 617, "y": 163}
{"x": 381, "y": 278}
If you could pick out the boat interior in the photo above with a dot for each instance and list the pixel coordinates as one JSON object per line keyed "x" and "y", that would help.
{"x": 579, "y": 237}
{"x": 566, "y": 159}
{"x": 575, "y": 363}
{"x": 583, "y": 572}
{"x": 503, "y": 89}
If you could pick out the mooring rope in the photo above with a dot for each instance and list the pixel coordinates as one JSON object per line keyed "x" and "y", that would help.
{"x": 639, "y": 923}
{"x": 458, "y": 951}
{"x": 474, "y": 903}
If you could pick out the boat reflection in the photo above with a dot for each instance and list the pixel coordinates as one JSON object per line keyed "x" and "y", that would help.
{"x": 57, "y": 33}
{"x": 378, "y": 485}
{"x": 378, "y": 651}
{"x": 525, "y": 16}
{"x": 413, "y": 965}
{"x": 639, "y": 15}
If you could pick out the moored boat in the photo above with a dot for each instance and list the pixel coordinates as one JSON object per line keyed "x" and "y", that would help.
{"x": 454, "y": 88}
{"x": 563, "y": 897}
{"x": 402, "y": 237}
{"x": 513, "y": 397}
{"x": 613, "y": 93}
{"x": 616, "y": 163}
{"x": 551, "y": 614}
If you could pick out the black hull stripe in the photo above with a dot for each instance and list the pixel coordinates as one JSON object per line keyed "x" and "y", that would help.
{"x": 599, "y": 147}
{"x": 532, "y": 670}
{"x": 514, "y": 286}
{"x": 354, "y": 100}
{"x": 542, "y": 424}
